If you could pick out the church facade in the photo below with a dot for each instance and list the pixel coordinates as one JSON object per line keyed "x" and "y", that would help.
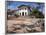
{"x": 23, "y": 10}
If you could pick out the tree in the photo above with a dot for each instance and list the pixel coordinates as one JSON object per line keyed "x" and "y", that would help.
{"x": 37, "y": 13}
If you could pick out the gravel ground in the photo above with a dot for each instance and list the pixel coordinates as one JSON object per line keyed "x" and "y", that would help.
{"x": 25, "y": 25}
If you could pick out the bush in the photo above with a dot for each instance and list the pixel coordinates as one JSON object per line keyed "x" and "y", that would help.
{"x": 37, "y": 13}
{"x": 16, "y": 15}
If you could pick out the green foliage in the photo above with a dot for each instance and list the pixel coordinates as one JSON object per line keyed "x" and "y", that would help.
{"x": 37, "y": 13}
{"x": 16, "y": 15}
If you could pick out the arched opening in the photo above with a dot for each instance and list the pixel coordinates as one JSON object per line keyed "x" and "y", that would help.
{"x": 22, "y": 13}
{"x": 25, "y": 13}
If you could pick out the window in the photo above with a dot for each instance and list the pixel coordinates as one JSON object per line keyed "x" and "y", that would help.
{"x": 19, "y": 9}
{"x": 25, "y": 8}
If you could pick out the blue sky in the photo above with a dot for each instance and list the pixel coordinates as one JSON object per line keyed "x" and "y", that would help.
{"x": 14, "y": 4}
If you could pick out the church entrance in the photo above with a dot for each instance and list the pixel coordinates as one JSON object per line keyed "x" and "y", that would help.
{"x": 22, "y": 13}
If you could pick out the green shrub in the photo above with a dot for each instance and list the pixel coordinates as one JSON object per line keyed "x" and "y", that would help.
{"x": 37, "y": 13}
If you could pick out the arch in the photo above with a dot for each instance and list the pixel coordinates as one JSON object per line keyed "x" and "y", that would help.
{"x": 22, "y": 13}
{"x": 25, "y": 13}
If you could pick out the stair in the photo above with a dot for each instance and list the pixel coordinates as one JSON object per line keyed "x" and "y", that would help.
{"x": 24, "y": 16}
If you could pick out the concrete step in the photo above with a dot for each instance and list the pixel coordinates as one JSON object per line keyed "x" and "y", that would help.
{"x": 24, "y": 16}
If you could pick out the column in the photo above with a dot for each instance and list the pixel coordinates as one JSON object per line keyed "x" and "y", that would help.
{"x": 21, "y": 13}
{"x": 24, "y": 13}
{"x": 27, "y": 13}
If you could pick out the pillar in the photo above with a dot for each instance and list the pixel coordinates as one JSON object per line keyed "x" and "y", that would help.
{"x": 21, "y": 13}
{"x": 27, "y": 13}
{"x": 24, "y": 13}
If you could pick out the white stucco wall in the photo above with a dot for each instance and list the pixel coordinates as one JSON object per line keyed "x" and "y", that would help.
{"x": 27, "y": 11}
{"x": 23, "y": 10}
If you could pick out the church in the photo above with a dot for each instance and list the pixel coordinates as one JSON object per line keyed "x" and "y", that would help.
{"x": 23, "y": 10}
